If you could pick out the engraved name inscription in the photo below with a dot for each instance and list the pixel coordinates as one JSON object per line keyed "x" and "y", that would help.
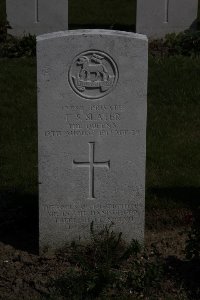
{"x": 101, "y": 120}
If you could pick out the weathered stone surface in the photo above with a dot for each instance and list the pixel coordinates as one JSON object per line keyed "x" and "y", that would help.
{"x": 156, "y": 18}
{"x": 36, "y": 16}
{"x": 92, "y": 100}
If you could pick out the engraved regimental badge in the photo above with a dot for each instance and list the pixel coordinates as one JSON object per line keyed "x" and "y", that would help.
{"x": 93, "y": 74}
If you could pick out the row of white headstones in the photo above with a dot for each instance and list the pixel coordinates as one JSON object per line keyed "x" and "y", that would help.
{"x": 155, "y": 18}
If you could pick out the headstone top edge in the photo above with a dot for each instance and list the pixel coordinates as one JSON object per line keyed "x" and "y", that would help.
{"x": 92, "y": 32}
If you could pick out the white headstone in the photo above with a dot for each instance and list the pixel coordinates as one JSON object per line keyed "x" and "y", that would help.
{"x": 36, "y": 16}
{"x": 92, "y": 101}
{"x": 156, "y": 18}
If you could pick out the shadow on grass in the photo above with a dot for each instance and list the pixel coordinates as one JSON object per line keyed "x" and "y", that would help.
{"x": 185, "y": 274}
{"x": 110, "y": 27}
{"x": 19, "y": 220}
{"x": 188, "y": 197}
{"x": 19, "y": 213}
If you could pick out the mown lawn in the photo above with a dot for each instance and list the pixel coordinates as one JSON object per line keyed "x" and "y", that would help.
{"x": 173, "y": 135}
{"x": 18, "y": 115}
{"x": 173, "y": 138}
{"x": 110, "y": 13}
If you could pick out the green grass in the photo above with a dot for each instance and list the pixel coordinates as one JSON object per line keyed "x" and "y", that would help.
{"x": 173, "y": 139}
{"x": 18, "y": 139}
{"x": 173, "y": 122}
{"x": 103, "y": 12}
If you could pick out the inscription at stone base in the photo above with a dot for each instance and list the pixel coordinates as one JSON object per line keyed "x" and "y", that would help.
{"x": 67, "y": 216}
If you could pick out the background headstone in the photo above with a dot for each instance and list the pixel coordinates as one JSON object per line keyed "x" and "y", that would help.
{"x": 156, "y": 18}
{"x": 92, "y": 101}
{"x": 36, "y": 16}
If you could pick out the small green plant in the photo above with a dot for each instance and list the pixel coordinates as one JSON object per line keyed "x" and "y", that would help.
{"x": 186, "y": 43}
{"x": 14, "y": 47}
{"x": 107, "y": 266}
{"x": 4, "y": 25}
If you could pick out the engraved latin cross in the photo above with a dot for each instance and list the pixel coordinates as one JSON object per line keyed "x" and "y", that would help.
{"x": 91, "y": 165}
{"x": 36, "y": 11}
{"x": 166, "y": 20}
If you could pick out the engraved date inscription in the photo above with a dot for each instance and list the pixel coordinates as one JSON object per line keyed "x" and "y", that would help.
{"x": 72, "y": 215}
{"x": 95, "y": 120}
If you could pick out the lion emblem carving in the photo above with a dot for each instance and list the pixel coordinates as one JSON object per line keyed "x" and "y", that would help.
{"x": 93, "y": 74}
{"x": 92, "y": 69}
